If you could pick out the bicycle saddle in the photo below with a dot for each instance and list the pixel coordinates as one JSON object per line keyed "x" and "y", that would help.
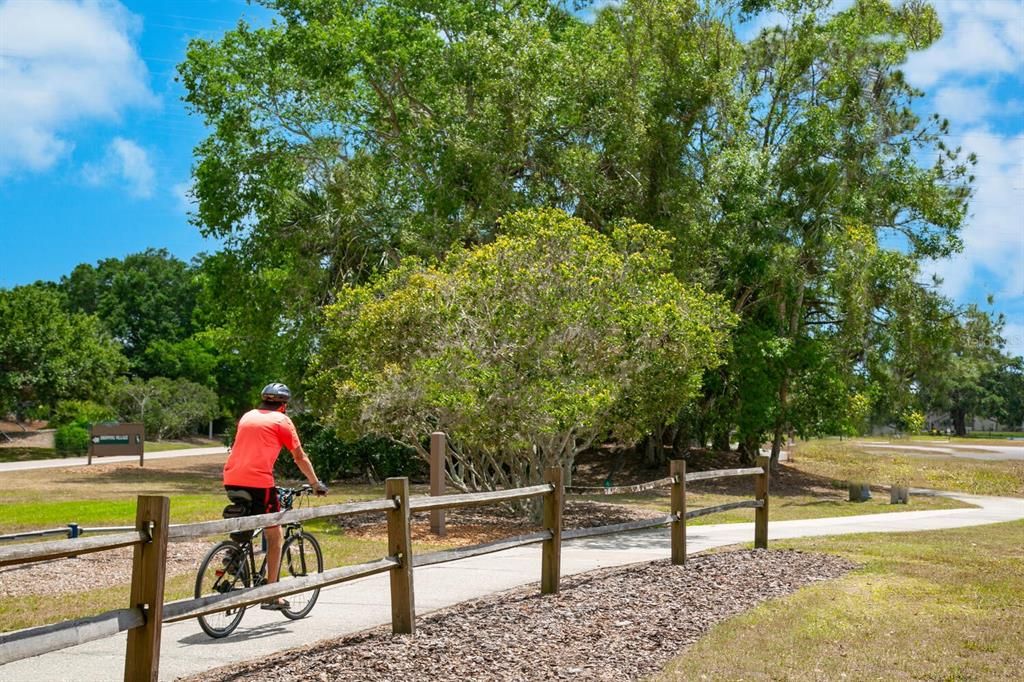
{"x": 241, "y": 503}
{"x": 240, "y": 497}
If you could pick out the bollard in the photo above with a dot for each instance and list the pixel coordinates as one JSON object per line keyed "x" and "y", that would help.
{"x": 551, "y": 550}
{"x": 677, "y": 469}
{"x": 403, "y": 602}
{"x": 761, "y": 513}
{"x": 438, "y": 446}
{"x": 142, "y": 657}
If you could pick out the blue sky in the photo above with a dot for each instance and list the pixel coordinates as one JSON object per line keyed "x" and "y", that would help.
{"x": 95, "y": 144}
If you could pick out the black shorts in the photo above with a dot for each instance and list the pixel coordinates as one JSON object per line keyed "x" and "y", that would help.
{"x": 264, "y": 500}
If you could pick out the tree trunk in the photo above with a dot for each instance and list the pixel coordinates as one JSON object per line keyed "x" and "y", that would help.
{"x": 681, "y": 439}
{"x": 776, "y": 449}
{"x": 959, "y": 417}
{"x": 701, "y": 437}
{"x": 721, "y": 440}
{"x": 654, "y": 452}
{"x": 748, "y": 450}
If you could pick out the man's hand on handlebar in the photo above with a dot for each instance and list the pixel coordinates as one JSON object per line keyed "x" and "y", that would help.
{"x": 320, "y": 488}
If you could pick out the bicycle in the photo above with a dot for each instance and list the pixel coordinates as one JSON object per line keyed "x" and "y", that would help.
{"x": 231, "y": 564}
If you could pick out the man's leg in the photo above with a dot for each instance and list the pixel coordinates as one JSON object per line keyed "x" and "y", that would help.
{"x": 275, "y": 539}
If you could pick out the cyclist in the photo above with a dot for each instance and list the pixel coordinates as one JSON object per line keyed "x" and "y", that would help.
{"x": 261, "y": 434}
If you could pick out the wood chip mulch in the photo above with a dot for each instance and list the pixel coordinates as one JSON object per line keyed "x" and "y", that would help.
{"x": 483, "y": 524}
{"x": 616, "y": 624}
{"x": 92, "y": 571}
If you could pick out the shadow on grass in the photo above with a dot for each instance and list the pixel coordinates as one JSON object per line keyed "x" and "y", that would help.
{"x": 195, "y": 478}
{"x": 24, "y": 454}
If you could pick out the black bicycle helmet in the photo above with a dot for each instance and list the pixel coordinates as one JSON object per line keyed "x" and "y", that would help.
{"x": 276, "y": 393}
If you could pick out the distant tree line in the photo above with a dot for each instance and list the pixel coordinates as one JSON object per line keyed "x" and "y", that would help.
{"x": 465, "y": 218}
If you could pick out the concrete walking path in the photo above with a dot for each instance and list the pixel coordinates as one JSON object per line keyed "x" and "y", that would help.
{"x": 981, "y": 451}
{"x": 364, "y": 603}
{"x": 65, "y": 462}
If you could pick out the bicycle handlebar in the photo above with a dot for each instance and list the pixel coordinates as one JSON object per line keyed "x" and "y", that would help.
{"x": 304, "y": 489}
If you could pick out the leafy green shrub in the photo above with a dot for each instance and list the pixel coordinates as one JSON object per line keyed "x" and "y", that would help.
{"x": 72, "y": 439}
{"x": 84, "y": 412}
{"x": 334, "y": 458}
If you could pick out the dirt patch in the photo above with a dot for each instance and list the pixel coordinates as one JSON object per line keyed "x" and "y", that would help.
{"x": 92, "y": 571}
{"x": 27, "y": 439}
{"x": 483, "y": 524}
{"x": 617, "y": 624}
{"x": 592, "y": 469}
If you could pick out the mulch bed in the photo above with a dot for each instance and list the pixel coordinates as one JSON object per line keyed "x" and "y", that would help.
{"x": 616, "y": 624}
{"x": 473, "y": 525}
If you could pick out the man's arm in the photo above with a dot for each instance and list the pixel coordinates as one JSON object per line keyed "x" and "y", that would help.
{"x": 305, "y": 465}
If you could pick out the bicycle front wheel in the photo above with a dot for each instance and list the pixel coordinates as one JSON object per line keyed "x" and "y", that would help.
{"x": 300, "y": 557}
{"x": 223, "y": 570}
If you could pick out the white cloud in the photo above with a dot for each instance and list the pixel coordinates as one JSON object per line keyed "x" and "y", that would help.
{"x": 1013, "y": 332}
{"x": 63, "y": 62}
{"x": 964, "y": 104}
{"x": 994, "y": 234}
{"x": 183, "y": 193}
{"x": 125, "y": 162}
{"x": 980, "y": 37}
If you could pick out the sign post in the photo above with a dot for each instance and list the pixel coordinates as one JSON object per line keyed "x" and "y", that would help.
{"x": 107, "y": 440}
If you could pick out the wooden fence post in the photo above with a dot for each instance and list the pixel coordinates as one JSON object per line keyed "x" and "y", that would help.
{"x": 142, "y": 656}
{"x": 438, "y": 446}
{"x": 403, "y": 606}
{"x": 677, "y": 468}
{"x": 551, "y": 552}
{"x": 761, "y": 513}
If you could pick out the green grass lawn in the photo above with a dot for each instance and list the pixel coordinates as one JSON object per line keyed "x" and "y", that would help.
{"x": 120, "y": 511}
{"x": 999, "y": 437}
{"x": 942, "y": 605}
{"x": 166, "y": 445}
{"x": 846, "y": 461}
{"x": 20, "y": 454}
{"x": 781, "y": 507}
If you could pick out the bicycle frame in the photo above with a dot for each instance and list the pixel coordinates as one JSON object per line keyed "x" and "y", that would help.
{"x": 249, "y": 547}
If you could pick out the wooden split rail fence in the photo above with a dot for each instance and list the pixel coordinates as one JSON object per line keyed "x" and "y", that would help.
{"x": 152, "y": 533}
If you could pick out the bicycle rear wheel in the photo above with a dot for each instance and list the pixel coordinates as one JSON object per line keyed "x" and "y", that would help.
{"x": 224, "y": 570}
{"x": 301, "y": 556}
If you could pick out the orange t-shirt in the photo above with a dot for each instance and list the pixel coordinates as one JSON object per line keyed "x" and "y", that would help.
{"x": 258, "y": 441}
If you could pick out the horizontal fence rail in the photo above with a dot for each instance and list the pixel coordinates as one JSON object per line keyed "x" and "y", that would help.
{"x": 618, "y": 490}
{"x": 476, "y": 499}
{"x": 447, "y": 555}
{"x": 105, "y": 529}
{"x": 576, "y": 533}
{"x": 21, "y": 644}
{"x": 723, "y": 473}
{"x": 35, "y": 534}
{"x": 56, "y": 549}
{"x": 152, "y": 533}
{"x": 704, "y": 511}
{"x": 204, "y": 529}
{"x": 192, "y": 608}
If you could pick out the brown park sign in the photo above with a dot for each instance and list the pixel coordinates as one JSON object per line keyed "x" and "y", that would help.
{"x": 106, "y": 440}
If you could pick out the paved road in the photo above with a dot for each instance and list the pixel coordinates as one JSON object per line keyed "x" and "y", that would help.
{"x": 988, "y": 452}
{"x": 81, "y": 461}
{"x": 365, "y": 603}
